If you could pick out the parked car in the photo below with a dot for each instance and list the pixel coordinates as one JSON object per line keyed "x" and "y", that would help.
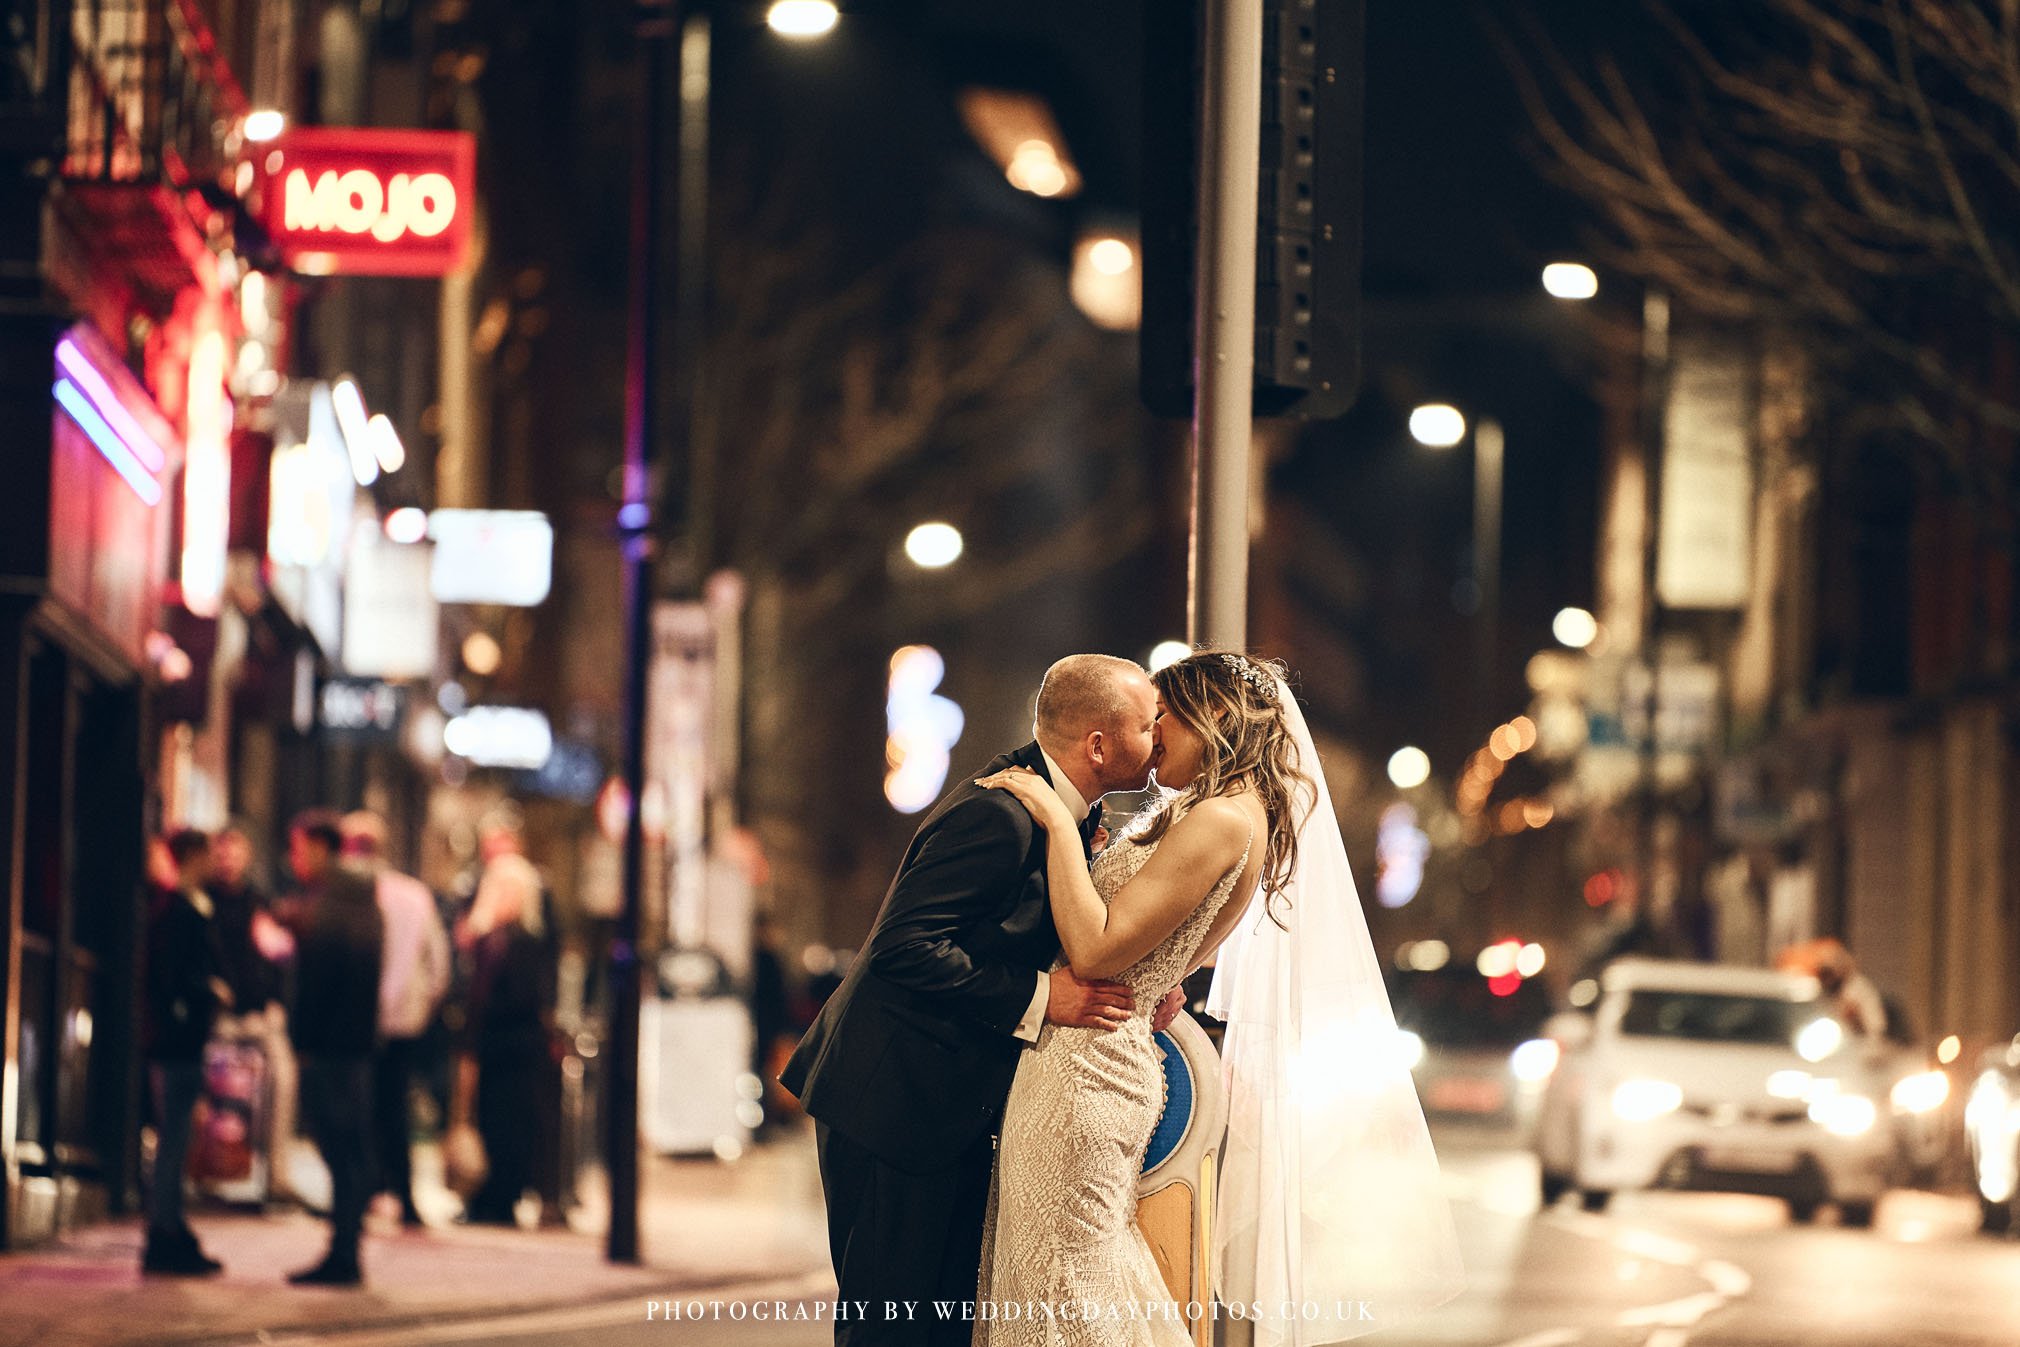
{"x": 1718, "y": 1078}
{"x": 1476, "y": 1056}
{"x": 1992, "y": 1127}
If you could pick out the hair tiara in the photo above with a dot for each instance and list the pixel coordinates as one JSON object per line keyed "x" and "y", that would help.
{"x": 1253, "y": 675}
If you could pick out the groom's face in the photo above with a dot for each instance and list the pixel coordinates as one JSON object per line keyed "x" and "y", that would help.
{"x": 1130, "y": 748}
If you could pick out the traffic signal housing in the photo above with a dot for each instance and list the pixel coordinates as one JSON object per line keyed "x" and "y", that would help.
{"x": 1308, "y": 208}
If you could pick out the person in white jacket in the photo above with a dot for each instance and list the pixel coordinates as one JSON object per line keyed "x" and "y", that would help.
{"x": 413, "y": 979}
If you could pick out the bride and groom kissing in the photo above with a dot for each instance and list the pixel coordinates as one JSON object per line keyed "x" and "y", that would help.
{"x": 985, "y": 1082}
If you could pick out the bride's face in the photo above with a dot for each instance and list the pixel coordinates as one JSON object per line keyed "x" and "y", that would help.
{"x": 1180, "y": 750}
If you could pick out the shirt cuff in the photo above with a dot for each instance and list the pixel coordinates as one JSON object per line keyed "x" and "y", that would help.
{"x": 1034, "y": 1014}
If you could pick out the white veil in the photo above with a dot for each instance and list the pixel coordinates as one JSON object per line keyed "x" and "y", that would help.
{"x": 1331, "y": 1220}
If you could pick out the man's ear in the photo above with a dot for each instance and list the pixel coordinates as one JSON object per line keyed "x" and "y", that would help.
{"x": 1097, "y": 748}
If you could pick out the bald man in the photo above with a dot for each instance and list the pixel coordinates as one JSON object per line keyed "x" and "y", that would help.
{"x": 907, "y": 1069}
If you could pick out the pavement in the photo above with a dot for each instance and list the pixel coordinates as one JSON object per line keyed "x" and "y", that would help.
{"x": 705, "y": 1225}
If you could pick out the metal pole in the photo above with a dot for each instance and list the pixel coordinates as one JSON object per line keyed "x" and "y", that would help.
{"x": 1230, "y": 145}
{"x": 1655, "y": 401}
{"x": 634, "y": 527}
{"x": 1488, "y": 445}
{"x": 690, "y": 289}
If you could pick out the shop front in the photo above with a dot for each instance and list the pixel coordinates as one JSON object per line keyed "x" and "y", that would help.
{"x": 86, "y": 520}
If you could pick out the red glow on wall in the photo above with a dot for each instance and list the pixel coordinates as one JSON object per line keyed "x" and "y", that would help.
{"x": 346, "y": 200}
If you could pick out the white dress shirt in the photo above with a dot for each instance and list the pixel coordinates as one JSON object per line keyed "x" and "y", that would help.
{"x": 1076, "y": 804}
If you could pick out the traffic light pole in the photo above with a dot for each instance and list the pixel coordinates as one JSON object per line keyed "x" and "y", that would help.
{"x": 1224, "y": 322}
{"x": 656, "y": 20}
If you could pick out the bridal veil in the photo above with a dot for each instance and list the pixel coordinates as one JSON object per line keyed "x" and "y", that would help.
{"x": 1331, "y": 1221}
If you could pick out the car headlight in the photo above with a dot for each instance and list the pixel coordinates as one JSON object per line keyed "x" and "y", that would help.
{"x": 1534, "y": 1060}
{"x": 1992, "y": 1118}
{"x": 1924, "y": 1092}
{"x": 1844, "y": 1115}
{"x": 1642, "y": 1100}
{"x": 1410, "y": 1047}
{"x": 1819, "y": 1039}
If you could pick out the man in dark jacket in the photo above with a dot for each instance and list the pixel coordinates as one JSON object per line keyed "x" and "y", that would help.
{"x": 339, "y": 938}
{"x": 185, "y": 990}
{"x": 907, "y": 1068}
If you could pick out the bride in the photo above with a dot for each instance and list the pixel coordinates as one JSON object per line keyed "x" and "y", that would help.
{"x": 1330, "y": 1222}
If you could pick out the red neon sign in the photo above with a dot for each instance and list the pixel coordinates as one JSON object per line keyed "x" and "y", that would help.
{"x": 370, "y": 202}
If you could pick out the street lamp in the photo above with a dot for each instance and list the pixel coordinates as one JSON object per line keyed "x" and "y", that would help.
{"x": 932, "y": 546}
{"x": 1409, "y": 767}
{"x": 656, "y": 29}
{"x": 1439, "y": 425}
{"x": 1166, "y": 653}
{"x": 1575, "y": 628}
{"x": 1570, "y": 280}
{"x": 802, "y": 19}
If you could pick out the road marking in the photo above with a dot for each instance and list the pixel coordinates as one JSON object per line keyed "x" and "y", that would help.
{"x": 1682, "y": 1313}
{"x": 1729, "y": 1281}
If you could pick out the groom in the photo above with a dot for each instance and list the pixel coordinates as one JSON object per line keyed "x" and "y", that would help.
{"x": 907, "y": 1068}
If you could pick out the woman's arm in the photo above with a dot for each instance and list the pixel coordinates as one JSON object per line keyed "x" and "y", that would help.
{"x": 1102, "y": 939}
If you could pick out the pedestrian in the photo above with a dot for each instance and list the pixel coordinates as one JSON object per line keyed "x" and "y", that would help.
{"x": 507, "y": 1052}
{"x": 256, "y": 949}
{"x": 771, "y": 1016}
{"x": 502, "y": 848}
{"x": 185, "y": 990}
{"x": 413, "y": 978}
{"x": 339, "y": 937}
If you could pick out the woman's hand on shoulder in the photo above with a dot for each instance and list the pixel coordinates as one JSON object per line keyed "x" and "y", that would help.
{"x": 1035, "y": 793}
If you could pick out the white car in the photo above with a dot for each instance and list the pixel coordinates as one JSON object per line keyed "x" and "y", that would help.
{"x": 1992, "y": 1123}
{"x": 1718, "y": 1078}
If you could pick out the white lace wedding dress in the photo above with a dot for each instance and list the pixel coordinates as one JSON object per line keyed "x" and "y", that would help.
{"x": 1063, "y": 1264}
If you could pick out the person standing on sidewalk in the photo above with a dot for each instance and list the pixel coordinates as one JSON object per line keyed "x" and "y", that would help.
{"x": 339, "y": 937}
{"x": 255, "y": 948}
{"x": 185, "y": 990}
{"x": 508, "y": 1034}
{"x": 412, "y": 981}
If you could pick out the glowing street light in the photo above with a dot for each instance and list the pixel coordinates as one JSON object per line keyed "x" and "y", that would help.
{"x": 1570, "y": 280}
{"x": 1111, "y": 256}
{"x": 932, "y": 546}
{"x": 1437, "y": 425}
{"x": 264, "y": 125}
{"x": 1575, "y": 628}
{"x": 1409, "y": 768}
{"x": 1167, "y": 652}
{"x": 802, "y": 18}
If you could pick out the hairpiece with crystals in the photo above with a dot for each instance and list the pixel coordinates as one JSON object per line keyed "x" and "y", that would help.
{"x": 1253, "y": 675}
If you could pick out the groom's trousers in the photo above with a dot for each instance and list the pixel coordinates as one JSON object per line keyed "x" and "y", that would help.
{"x": 899, "y": 1237}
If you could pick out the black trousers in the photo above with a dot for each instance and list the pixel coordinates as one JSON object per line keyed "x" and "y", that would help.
{"x": 508, "y": 1097}
{"x": 898, "y": 1237}
{"x": 392, "y": 1125}
{"x": 337, "y": 1112}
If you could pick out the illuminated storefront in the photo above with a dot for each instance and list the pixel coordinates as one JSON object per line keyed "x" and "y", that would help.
{"x": 88, "y": 524}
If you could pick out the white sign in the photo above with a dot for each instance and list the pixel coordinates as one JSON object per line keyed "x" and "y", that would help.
{"x": 501, "y": 736}
{"x": 358, "y": 202}
{"x": 676, "y": 755}
{"x": 390, "y": 619}
{"x": 1707, "y": 479}
{"x": 492, "y": 556}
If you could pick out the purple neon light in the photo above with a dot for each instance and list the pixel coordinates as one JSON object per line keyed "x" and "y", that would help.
{"x": 115, "y": 450}
{"x": 79, "y": 367}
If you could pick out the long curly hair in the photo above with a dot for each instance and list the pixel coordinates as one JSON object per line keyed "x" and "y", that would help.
{"x": 1229, "y": 700}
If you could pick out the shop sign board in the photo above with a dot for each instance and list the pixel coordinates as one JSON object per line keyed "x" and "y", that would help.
{"x": 370, "y": 202}
{"x": 492, "y": 556}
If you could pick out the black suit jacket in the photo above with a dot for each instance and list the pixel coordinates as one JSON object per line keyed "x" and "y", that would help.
{"x": 912, "y": 1057}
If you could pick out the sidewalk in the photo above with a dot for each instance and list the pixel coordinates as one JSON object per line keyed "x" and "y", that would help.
{"x": 703, "y": 1224}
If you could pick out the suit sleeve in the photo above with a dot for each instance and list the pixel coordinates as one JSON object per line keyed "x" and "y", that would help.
{"x": 960, "y": 877}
